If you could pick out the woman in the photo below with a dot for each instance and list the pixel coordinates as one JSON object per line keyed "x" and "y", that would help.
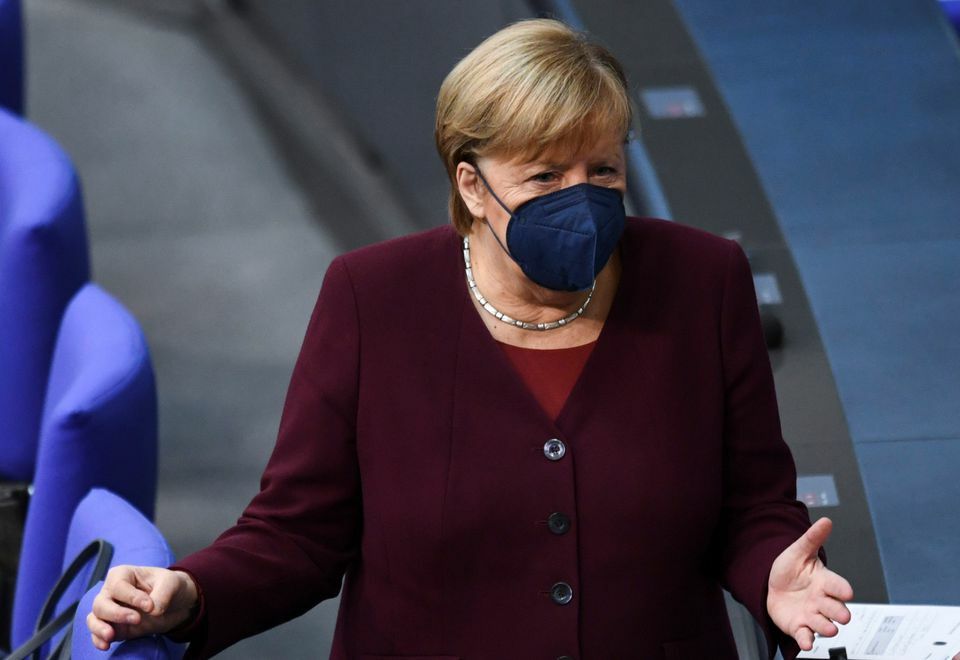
{"x": 549, "y": 432}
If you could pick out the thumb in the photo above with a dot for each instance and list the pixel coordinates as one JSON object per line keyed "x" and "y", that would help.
{"x": 808, "y": 545}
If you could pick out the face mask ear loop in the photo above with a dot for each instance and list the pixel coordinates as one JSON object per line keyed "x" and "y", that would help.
{"x": 502, "y": 205}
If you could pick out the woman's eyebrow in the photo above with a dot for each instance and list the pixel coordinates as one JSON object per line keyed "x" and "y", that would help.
{"x": 609, "y": 158}
{"x": 545, "y": 164}
{"x": 539, "y": 166}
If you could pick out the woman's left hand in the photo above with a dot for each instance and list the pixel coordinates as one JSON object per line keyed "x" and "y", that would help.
{"x": 804, "y": 596}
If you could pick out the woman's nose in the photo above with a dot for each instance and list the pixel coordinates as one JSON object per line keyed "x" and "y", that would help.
{"x": 575, "y": 176}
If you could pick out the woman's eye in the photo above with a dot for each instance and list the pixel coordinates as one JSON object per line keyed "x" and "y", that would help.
{"x": 544, "y": 177}
{"x": 606, "y": 171}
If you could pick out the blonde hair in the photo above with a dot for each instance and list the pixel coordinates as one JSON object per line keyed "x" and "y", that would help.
{"x": 533, "y": 87}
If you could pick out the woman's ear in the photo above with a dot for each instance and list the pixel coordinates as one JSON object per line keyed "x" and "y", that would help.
{"x": 471, "y": 189}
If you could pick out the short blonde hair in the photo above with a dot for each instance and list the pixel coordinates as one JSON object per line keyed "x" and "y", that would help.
{"x": 533, "y": 87}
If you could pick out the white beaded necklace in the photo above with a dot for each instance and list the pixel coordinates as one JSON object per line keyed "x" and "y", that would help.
{"x": 570, "y": 318}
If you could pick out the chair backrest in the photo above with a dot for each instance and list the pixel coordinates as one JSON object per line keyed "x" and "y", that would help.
{"x": 99, "y": 430}
{"x": 104, "y": 515}
{"x": 11, "y": 56}
{"x": 43, "y": 261}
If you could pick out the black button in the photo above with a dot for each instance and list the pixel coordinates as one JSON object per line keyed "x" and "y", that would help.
{"x": 554, "y": 449}
{"x": 558, "y": 523}
{"x": 561, "y": 593}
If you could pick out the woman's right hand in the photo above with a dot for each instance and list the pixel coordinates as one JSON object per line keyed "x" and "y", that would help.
{"x": 140, "y": 600}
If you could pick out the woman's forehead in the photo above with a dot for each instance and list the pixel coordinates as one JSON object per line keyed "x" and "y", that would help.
{"x": 568, "y": 152}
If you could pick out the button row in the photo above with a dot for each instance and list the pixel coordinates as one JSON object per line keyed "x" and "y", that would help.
{"x": 558, "y": 523}
{"x": 554, "y": 450}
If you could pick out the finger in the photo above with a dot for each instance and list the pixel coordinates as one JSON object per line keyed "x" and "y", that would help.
{"x": 804, "y": 637}
{"x": 108, "y": 610}
{"x": 813, "y": 539}
{"x": 835, "y": 610}
{"x": 100, "y": 630}
{"x": 123, "y": 591}
{"x": 836, "y": 586}
{"x": 808, "y": 545}
{"x": 822, "y": 626}
{"x": 99, "y": 643}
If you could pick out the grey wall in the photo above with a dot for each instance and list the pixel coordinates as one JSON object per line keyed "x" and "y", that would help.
{"x": 381, "y": 70}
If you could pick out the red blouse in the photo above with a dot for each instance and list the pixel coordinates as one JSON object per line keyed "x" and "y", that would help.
{"x": 549, "y": 373}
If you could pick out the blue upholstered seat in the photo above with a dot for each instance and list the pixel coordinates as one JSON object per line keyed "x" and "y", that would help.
{"x": 103, "y": 515}
{"x": 43, "y": 261}
{"x": 99, "y": 430}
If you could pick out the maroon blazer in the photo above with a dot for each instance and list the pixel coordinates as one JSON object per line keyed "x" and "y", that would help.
{"x": 413, "y": 461}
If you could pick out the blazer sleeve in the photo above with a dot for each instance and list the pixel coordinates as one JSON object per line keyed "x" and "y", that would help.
{"x": 290, "y": 548}
{"x": 760, "y": 513}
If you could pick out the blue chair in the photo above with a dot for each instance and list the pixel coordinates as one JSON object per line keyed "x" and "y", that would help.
{"x": 99, "y": 430}
{"x": 11, "y": 56}
{"x": 132, "y": 539}
{"x": 952, "y": 9}
{"x": 103, "y": 515}
{"x": 43, "y": 261}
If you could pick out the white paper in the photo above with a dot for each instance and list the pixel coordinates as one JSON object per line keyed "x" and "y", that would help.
{"x": 894, "y": 632}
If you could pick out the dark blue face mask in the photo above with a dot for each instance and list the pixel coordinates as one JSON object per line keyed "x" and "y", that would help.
{"x": 563, "y": 239}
